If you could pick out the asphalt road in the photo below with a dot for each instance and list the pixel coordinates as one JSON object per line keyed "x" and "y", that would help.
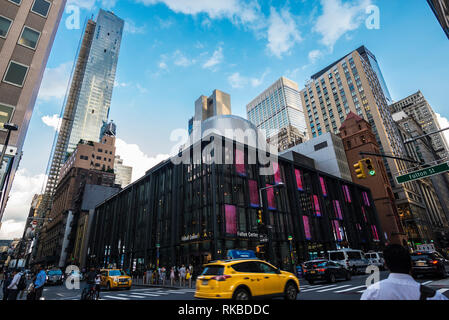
{"x": 341, "y": 290}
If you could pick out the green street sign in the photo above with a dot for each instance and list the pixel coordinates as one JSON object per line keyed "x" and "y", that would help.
{"x": 421, "y": 174}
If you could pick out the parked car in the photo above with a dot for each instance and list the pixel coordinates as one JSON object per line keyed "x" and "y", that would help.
{"x": 429, "y": 263}
{"x": 376, "y": 258}
{"x": 54, "y": 276}
{"x": 351, "y": 259}
{"x": 325, "y": 270}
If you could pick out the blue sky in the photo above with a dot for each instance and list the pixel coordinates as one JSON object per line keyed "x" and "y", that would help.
{"x": 173, "y": 51}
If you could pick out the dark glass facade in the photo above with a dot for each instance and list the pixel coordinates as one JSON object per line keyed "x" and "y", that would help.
{"x": 192, "y": 213}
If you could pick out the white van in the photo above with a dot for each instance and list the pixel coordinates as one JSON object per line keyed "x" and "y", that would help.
{"x": 376, "y": 258}
{"x": 352, "y": 259}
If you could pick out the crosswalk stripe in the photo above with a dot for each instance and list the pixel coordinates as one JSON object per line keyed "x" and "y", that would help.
{"x": 115, "y": 297}
{"x": 329, "y": 289}
{"x": 443, "y": 290}
{"x": 350, "y": 289}
{"x": 146, "y": 294}
{"x": 131, "y": 296}
{"x": 427, "y": 282}
{"x": 318, "y": 288}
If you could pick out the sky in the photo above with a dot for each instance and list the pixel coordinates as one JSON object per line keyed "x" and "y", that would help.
{"x": 174, "y": 51}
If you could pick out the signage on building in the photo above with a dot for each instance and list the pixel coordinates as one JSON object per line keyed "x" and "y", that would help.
{"x": 421, "y": 174}
{"x": 247, "y": 234}
{"x": 190, "y": 237}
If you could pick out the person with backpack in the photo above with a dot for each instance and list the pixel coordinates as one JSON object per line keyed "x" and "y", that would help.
{"x": 14, "y": 285}
{"x": 399, "y": 285}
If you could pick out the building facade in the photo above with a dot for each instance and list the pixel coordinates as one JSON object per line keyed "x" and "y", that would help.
{"x": 433, "y": 226}
{"x": 27, "y": 32}
{"x": 328, "y": 154}
{"x": 123, "y": 174}
{"x": 357, "y": 136}
{"x": 355, "y": 83}
{"x": 278, "y": 111}
{"x": 417, "y": 106}
{"x": 441, "y": 10}
{"x": 193, "y": 213}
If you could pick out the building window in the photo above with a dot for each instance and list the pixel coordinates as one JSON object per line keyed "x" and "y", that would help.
{"x": 5, "y": 23}
{"x": 299, "y": 180}
{"x": 15, "y": 1}
{"x": 323, "y": 186}
{"x": 316, "y": 206}
{"x": 41, "y": 7}
{"x": 347, "y": 193}
{"x": 16, "y": 73}
{"x": 5, "y": 114}
{"x": 307, "y": 233}
{"x": 29, "y": 38}
{"x": 231, "y": 219}
{"x": 253, "y": 193}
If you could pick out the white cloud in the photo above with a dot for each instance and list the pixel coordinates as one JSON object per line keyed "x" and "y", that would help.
{"x": 24, "y": 188}
{"x": 235, "y": 10}
{"x": 217, "y": 58}
{"x": 236, "y": 80}
{"x": 314, "y": 55}
{"x": 132, "y": 28}
{"x": 133, "y": 156}
{"x": 283, "y": 32}
{"x": 338, "y": 18}
{"x": 55, "y": 82}
{"x": 91, "y": 4}
{"x": 54, "y": 121}
{"x": 163, "y": 65}
{"x": 181, "y": 60}
{"x": 444, "y": 123}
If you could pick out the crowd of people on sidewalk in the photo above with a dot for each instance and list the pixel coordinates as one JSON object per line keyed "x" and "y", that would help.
{"x": 177, "y": 276}
{"x": 14, "y": 284}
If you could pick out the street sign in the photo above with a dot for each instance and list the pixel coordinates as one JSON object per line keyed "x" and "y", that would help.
{"x": 421, "y": 174}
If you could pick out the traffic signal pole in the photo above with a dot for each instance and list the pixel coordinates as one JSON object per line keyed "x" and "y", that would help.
{"x": 391, "y": 157}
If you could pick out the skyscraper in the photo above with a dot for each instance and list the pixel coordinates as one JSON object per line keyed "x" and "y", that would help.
{"x": 441, "y": 10}
{"x": 355, "y": 83}
{"x": 27, "y": 32}
{"x": 89, "y": 98}
{"x": 417, "y": 106}
{"x": 279, "y": 111}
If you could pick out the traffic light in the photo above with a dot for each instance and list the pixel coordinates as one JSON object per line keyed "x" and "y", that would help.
{"x": 370, "y": 167}
{"x": 259, "y": 216}
{"x": 360, "y": 170}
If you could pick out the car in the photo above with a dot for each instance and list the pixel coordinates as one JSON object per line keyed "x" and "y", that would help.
{"x": 376, "y": 259}
{"x": 330, "y": 271}
{"x": 115, "y": 279}
{"x": 245, "y": 279}
{"x": 354, "y": 260}
{"x": 54, "y": 276}
{"x": 429, "y": 263}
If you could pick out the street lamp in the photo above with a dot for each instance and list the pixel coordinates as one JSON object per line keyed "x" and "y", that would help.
{"x": 269, "y": 227}
{"x": 10, "y": 127}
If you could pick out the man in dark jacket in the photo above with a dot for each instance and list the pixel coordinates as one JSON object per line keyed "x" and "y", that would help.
{"x": 6, "y": 282}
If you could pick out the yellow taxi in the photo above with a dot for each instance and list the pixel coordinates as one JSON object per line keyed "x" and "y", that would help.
{"x": 243, "y": 279}
{"x": 115, "y": 278}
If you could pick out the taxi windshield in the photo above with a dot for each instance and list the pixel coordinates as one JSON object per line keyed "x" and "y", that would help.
{"x": 114, "y": 273}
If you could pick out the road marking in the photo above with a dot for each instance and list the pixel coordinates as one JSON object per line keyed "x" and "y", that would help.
{"x": 131, "y": 296}
{"x": 443, "y": 290}
{"x": 146, "y": 294}
{"x": 350, "y": 289}
{"x": 329, "y": 289}
{"x": 424, "y": 283}
{"x": 115, "y": 297}
{"x": 177, "y": 291}
{"x": 318, "y": 288}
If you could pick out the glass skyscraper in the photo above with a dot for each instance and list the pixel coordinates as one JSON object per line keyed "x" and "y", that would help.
{"x": 94, "y": 99}
{"x": 279, "y": 107}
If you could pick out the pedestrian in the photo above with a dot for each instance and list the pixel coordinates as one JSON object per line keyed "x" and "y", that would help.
{"x": 172, "y": 276}
{"x": 162, "y": 275}
{"x": 39, "y": 283}
{"x": 182, "y": 276}
{"x": 6, "y": 282}
{"x": 98, "y": 285}
{"x": 189, "y": 277}
{"x": 399, "y": 285}
{"x": 13, "y": 290}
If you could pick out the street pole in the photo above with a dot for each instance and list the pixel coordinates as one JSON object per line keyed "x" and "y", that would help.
{"x": 269, "y": 227}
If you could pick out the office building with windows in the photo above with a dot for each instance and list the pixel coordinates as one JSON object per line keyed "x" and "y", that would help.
{"x": 279, "y": 112}
{"x": 27, "y": 32}
{"x": 193, "y": 213}
{"x": 419, "y": 108}
{"x": 441, "y": 10}
{"x": 355, "y": 83}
